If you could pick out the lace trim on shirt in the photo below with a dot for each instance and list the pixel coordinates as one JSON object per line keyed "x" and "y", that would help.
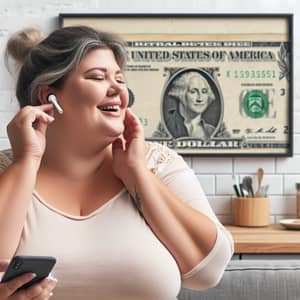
{"x": 5, "y": 159}
{"x": 158, "y": 157}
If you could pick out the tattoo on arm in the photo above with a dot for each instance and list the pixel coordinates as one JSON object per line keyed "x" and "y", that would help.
{"x": 136, "y": 200}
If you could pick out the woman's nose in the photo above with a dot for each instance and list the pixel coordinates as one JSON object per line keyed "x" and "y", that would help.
{"x": 114, "y": 89}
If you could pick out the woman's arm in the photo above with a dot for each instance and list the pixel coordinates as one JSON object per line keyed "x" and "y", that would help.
{"x": 18, "y": 180}
{"x": 191, "y": 233}
{"x": 187, "y": 233}
{"x": 16, "y": 186}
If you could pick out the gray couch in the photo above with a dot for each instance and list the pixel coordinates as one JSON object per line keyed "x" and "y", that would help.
{"x": 253, "y": 280}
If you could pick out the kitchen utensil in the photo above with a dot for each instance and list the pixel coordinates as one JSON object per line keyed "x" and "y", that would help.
{"x": 241, "y": 190}
{"x": 264, "y": 190}
{"x": 260, "y": 175}
{"x": 247, "y": 184}
{"x": 235, "y": 186}
{"x": 236, "y": 189}
{"x": 246, "y": 193}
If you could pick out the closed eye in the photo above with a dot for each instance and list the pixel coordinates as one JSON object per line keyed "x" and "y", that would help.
{"x": 96, "y": 78}
{"x": 120, "y": 80}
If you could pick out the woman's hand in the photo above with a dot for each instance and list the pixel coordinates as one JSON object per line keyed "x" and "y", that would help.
{"x": 129, "y": 154}
{"x": 39, "y": 291}
{"x": 28, "y": 140}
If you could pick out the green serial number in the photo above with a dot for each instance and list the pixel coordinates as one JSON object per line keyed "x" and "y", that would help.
{"x": 250, "y": 74}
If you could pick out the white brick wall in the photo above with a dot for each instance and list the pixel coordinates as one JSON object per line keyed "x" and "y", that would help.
{"x": 215, "y": 174}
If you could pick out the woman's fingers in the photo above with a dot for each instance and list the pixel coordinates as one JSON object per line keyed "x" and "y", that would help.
{"x": 43, "y": 296}
{"x": 27, "y": 129}
{"x": 131, "y": 118}
{"x": 48, "y": 285}
{"x": 41, "y": 290}
{"x": 43, "y": 124}
{"x": 117, "y": 145}
{"x": 49, "y": 108}
{"x": 3, "y": 265}
{"x": 30, "y": 114}
{"x": 36, "y": 114}
{"x": 10, "y": 287}
{"x": 133, "y": 127}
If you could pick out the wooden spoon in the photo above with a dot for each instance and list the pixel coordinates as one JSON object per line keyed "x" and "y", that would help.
{"x": 260, "y": 175}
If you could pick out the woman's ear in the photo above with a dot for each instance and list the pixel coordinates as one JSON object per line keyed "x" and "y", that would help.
{"x": 43, "y": 92}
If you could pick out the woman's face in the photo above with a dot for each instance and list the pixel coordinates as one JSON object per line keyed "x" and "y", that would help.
{"x": 196, "y": 97}
{"x": 95, "y": 97}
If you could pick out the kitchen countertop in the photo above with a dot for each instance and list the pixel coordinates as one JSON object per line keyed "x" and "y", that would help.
{"x": 269, "y": 239}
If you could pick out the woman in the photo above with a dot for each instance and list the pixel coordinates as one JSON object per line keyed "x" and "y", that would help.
{"x": 39, "y": 291}
{"x": 125, "y": 219}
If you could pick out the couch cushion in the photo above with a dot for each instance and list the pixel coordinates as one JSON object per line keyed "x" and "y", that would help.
{"x": 253, "y": 280}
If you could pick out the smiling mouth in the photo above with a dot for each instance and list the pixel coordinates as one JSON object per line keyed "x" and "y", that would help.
{"x": 109, "y": 108}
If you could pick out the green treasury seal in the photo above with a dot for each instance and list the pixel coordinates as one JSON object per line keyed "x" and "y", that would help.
{"x": 255, "y": 104}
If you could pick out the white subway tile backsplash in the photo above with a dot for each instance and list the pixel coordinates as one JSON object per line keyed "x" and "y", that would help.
{"x": 288, "y": 165}
{"x": 220, "y": 204}
{"x": 10, "y": 25}
{"x": 297, "y": 99}
{"x": 6, "y": 80}
{"x": 296, "y": 144}
{"x": 212, "y": 165}
{"x": 297, "y": 122}
{"x": 275, "y": 183}
{"x": 224, "y": 185}
{"x": 8, "y": 101}
{"x": 44, "y": 8}
{"x": 251, "y": 164}
{"x": 272, "y": 219}
{"x": 282, "y": 205}
{"x": 5, "y": 118}
{"x": 289, "y": 184}
{"x": 4, "y": 144}
{"x": 253, "y": 6}
{"x": 208, "y": 183}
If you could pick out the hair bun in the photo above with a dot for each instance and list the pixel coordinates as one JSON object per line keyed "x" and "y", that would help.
{"x": 21, "y": 43}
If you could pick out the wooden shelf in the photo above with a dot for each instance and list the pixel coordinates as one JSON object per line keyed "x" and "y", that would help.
{"x": 271, "y": 239}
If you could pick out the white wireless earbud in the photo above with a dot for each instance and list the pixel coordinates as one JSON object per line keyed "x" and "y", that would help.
{"x": 52, "y": 99}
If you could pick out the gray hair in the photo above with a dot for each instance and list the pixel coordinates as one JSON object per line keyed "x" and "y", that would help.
{"x": 51, "y": 60}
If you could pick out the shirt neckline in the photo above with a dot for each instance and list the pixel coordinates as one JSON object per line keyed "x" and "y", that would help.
{"x": 39, "y": 198}
{"x": 108, "y": 203}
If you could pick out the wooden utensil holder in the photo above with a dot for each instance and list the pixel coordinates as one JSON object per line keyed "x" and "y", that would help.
{"x": 251, "y": 212}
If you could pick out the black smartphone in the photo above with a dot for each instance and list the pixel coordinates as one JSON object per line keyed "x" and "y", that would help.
{"x": 40, "y": 265}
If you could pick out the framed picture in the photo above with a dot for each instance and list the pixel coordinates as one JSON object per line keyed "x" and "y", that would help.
{"x": 208, "y": 84}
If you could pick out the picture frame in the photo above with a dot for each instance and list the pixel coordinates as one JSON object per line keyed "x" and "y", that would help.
{"x": 208, "y": 84}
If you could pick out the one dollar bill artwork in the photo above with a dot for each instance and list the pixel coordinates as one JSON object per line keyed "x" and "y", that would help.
{"x": 203, "y": 94}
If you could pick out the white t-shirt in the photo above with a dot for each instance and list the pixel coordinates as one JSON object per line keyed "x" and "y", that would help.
{"x": 112, "y": 254}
